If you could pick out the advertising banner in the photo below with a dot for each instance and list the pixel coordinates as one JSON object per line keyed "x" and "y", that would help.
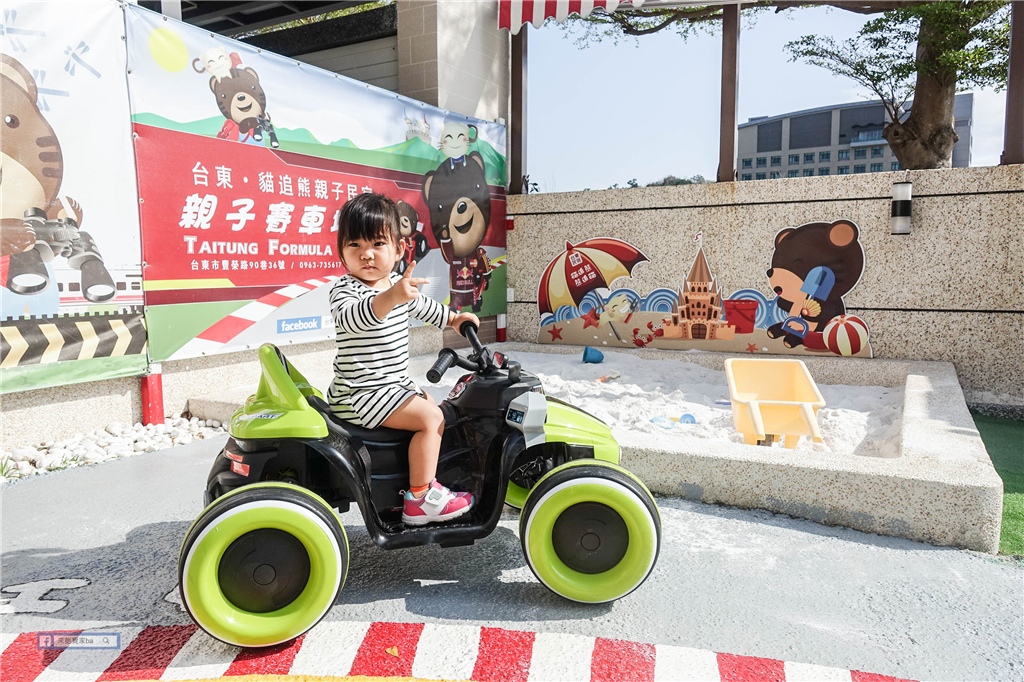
{"x": 244, "y": 161}
{"x": 70, "y": 262}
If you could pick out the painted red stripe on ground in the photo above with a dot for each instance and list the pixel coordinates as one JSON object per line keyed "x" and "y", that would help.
{"x": 24, "y": 661}
{"x": 271, "y": 660}
{"x": 225, "y": 330}
{"x": 732, "y": 668}
{"x": 858, "y": 676}
{"x": 617, "y": 659}
{"x": 374, "y": 658}
{"x": 149, "y": 654}
{"x": 504, "y": 655}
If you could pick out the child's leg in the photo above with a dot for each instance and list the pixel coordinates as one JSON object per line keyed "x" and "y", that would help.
{"x": 421, "y": 415}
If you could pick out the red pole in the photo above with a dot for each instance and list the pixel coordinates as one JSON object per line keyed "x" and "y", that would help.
{"x": 153, "y": 396}
{"x": 500, "y": 335}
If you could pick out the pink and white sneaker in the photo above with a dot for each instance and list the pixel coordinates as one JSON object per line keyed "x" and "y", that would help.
{"x": 439, "y": 504}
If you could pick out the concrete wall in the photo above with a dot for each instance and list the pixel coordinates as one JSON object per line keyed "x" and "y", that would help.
{"x": 952, "y": 290}
{"x": 452, "y": 55}
{"x": 31, "y": 417}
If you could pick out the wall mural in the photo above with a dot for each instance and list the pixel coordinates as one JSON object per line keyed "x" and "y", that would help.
{"x": 811, "y": 268}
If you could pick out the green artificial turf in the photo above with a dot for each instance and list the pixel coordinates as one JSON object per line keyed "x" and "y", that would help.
{"x": 1004, "y": 440}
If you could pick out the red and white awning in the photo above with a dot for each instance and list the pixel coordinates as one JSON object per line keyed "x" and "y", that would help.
{"x": 512, "y": 14}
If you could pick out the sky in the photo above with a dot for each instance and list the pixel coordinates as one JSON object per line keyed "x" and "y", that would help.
{"x": 645, "y": 109}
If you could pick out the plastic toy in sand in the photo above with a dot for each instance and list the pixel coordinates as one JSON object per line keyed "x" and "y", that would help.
{"x": 772, "y": 398}
{"x": 669, "y": 422}
{"x": 592, "y": 355}
{"x": 610, "y": 376}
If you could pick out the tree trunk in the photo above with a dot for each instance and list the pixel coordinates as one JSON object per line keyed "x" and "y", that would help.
{"x": 926, "y": 138}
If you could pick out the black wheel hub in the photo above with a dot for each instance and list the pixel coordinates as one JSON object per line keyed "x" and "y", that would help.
{"x": 590, "y": 537}
{"x": 263, "y": 570}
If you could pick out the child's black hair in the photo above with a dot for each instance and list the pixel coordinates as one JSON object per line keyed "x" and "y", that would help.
{"x": 368, "y": 216}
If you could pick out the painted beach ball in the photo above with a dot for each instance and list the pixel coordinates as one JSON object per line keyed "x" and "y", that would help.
{"x": 846, "y": 335}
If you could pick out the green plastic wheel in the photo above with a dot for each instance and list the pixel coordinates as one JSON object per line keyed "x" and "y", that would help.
{"x": 590, "y": 531}
{"x": 262, "y": 564}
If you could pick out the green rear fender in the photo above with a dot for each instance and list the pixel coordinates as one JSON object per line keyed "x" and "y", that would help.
{"x": 278, "y": 409}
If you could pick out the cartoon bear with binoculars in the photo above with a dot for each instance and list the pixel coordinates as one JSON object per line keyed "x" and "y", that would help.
{"x": 37, "y": 223}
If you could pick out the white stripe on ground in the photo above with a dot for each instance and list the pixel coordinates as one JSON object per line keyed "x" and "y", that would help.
{"x": 806, "y": 672}
{"x": 201, "y": 657}
{"x": 683, "y": 664}
{"x": 446, "y": 652}
{"x": 559, "y": 657}
{"x": 329, "y": 649}
{"x": 85, "y": 665}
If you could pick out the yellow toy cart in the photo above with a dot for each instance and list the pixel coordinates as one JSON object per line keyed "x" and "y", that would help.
{"x": 772, "y": 398}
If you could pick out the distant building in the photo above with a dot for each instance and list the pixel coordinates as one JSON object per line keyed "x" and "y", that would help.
{"x": 839, "y": 140}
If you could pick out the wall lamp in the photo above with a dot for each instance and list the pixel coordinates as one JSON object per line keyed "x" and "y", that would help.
{"x": 901, "y": 207}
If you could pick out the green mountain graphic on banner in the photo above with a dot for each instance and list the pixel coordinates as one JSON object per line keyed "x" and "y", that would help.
{"x": 412, "y": 156}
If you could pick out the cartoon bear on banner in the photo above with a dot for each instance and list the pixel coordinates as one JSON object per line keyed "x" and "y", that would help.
{"x": 38, "y": 222}
{"x": 416, "y": 246}
{"x": 812, "y": 268}
{"x": 459, "y": 202}
{"x": 243, "y": 103}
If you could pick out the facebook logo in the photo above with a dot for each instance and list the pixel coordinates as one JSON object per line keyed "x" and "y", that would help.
{"x": 298, "y": 324}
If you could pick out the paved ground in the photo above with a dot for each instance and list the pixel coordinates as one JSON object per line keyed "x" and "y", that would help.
{"x": 738, "y": 582}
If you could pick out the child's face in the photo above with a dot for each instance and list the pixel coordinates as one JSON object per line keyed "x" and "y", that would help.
{"x": 371, "y": 260}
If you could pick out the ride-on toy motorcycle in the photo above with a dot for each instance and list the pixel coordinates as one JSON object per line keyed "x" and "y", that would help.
{"x": 267, "y": 557}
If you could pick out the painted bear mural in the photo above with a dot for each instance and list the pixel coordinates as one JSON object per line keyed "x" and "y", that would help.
{"x": 459, "y": 202}
{"x": 243, "y": 103}
{"x": 812, "y": 268}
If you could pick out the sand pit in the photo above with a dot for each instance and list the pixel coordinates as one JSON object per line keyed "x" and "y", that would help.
{"x": 901, "y": 455}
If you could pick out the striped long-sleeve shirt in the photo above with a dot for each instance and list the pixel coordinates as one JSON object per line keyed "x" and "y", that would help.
{"x": 371, "y": 369}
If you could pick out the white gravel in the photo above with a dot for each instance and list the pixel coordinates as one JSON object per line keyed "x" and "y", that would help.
{"x": 115, "y": 441}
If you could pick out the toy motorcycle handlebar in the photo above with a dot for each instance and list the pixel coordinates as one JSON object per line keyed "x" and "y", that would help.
{"x": 479, "y": 361}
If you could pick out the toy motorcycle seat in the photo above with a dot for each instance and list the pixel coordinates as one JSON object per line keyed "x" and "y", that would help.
{"x": 346, "y": 429}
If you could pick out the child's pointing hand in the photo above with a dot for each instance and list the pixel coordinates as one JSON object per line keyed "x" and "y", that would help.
{"x": 406, "y": 289}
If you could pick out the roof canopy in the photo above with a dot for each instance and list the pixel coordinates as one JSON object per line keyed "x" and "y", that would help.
{"x": 513, "y": 14}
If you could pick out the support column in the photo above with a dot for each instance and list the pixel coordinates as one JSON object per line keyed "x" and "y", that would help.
{"x": 1013, "y": 132}
{"x": 730, "y": 81}
{"x": 517, "y": 133}
{"x": 171, "y": 8}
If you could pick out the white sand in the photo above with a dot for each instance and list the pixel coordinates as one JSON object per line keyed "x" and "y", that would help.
{"x": 856, "y": 420}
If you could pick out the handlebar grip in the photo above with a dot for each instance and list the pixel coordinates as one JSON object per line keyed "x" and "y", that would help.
{"x": 445, "y": 359}
{"x": 462, "y": 328}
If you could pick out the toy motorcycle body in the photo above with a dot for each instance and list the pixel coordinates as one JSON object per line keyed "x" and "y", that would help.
{"x": 268, "y": 556}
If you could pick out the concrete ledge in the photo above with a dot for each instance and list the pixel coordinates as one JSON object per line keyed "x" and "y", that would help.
{"x": 942, "y": 489}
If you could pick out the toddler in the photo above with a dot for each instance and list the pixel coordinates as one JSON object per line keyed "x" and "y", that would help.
{"x": 371, "y": 307}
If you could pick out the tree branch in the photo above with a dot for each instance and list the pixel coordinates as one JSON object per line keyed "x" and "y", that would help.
{"x": 849, "y": 6}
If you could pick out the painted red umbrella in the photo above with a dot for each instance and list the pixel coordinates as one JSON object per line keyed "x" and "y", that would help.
{"x": 591, "y": 264}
